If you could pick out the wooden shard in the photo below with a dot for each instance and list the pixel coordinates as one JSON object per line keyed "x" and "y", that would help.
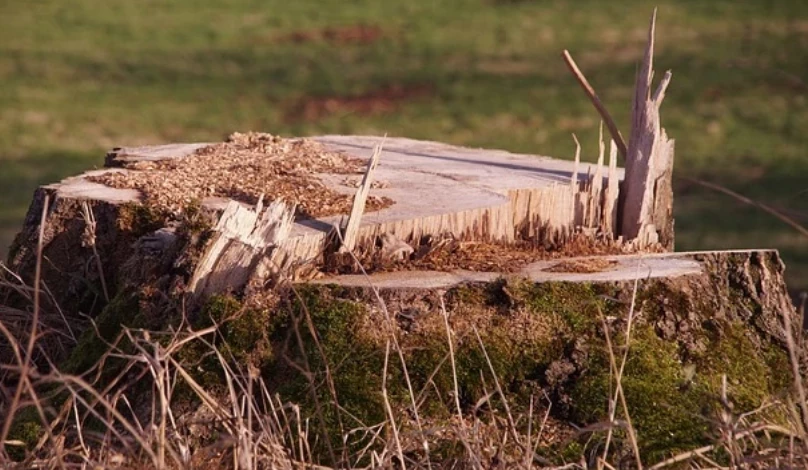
{"x": 610, "y": 198}
{"x": 242, "y": 238}
{"x": 647, "y": 199}
{"x": 595, "y": 217}
{"x": 351, "y": 230}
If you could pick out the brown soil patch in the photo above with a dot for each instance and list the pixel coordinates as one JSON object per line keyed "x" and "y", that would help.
{"x": 243, "y": 168}
{"x": 379, "y": 101}
{"x": 354, "y": 34}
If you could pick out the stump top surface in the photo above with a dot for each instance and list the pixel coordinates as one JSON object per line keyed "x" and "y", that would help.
{"x": 422, "y": 178}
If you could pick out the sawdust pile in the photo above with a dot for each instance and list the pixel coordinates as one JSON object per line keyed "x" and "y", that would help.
{"x": 586, "y": 265}
{"x": 449, "y": 254}
{"x": 243, "y": 168}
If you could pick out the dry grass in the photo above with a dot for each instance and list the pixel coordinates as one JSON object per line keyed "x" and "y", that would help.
{"x": 241, "y": 425}
{"x": 258, "y": 430}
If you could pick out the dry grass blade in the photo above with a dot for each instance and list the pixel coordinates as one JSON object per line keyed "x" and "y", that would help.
{"x": 702, "y": 451}
{"x": 450, "y": 342}
{"x": 392, "y": 335}
{"x": 456, "y": 394}
{"x": 793, "y": 353}
{"x": 308, "y": 374}
{"x": 619, "y": 372}
{"x": 80, "y": 385}
{"x": 389, "y": 409}
{"x": 511, "y": 423}
{"x": 26, "y": 364}
{"x": 619, "y": 391}
{"x": 88, "y": 239}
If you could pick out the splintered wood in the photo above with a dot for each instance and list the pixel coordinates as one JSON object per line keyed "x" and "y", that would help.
{"x": 647, "y": 203}
{"x": 351, "y": 229}
{"x": 241, "y": 245}
{"x": 552, "y": 215}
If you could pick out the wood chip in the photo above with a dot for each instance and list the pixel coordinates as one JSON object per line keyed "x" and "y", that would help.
{"x": 243, "y": 168}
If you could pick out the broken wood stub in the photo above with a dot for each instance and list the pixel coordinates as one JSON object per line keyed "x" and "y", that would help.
{"x": 243, "y": 240}
{"x": 647, "y": 196}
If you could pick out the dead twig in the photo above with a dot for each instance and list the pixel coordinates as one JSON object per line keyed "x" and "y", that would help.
{"x": 741, "y": 198}
{"x": 590, "y": 92}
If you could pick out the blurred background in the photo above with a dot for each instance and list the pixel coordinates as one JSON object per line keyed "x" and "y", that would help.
{"x": 80, "y": 77}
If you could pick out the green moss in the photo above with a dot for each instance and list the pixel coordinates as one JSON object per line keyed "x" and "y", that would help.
{"x": 753, "y": 374}
{"x": 516, "y": 361}
{"x": 139, "y": 218}
{"x": 425, "y": 354}
{"x": 122, "y": 310}
{"x": 664, "y": 408}
{"x": 447, "y": 450}
{"x": 779, "y": 368}
{"x": 519, "y": 349}
{"x": 658, "y": 297}
{"x": 26, "y": 428}
{"x": 519, "y": 345}
{"x": 572, "y": 452}
{"x": 575, "y": 303}
{"x": 246, "y": 331}
{"x": 468, "y": 294}
{"x": 355, "y": 363}
{"x": 195, "y": 223}
{"x": 669, "y": 407}
{"x": 243, "y": 337}
{"x": 524, "y": 329}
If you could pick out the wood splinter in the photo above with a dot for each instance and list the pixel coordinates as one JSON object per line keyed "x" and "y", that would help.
{"x": 241, "y": 239}
{"x": 647, "y": 202}
{"x": 350, "y": 230}
{"x": 646, "y": 199}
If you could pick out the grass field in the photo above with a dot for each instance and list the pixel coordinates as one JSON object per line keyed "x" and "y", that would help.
{"x": 80, "y": 77}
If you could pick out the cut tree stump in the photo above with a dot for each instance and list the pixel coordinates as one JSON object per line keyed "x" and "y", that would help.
{"x": 444, "y": 190}
{"x": 437, "y": 190}
{"x": 431, "y": 205}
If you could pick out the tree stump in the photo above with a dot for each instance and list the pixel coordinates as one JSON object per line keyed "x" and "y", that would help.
{"x": 514, "y": 267}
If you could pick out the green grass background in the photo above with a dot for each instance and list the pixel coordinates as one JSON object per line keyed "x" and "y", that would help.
{"x": 79, "y": 77}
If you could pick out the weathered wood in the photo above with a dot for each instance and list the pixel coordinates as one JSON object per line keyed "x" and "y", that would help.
{"x": 647, "y": 200}
{"x": 594, "y": 216}
{"x": 351, "y": 229}
{"x": 120, "y": 156}
{"x": 242, "y": 238}
{"x": 612, "y": 193}
{"x": 618, "y": 268}
{"x": 466, "y": 193}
